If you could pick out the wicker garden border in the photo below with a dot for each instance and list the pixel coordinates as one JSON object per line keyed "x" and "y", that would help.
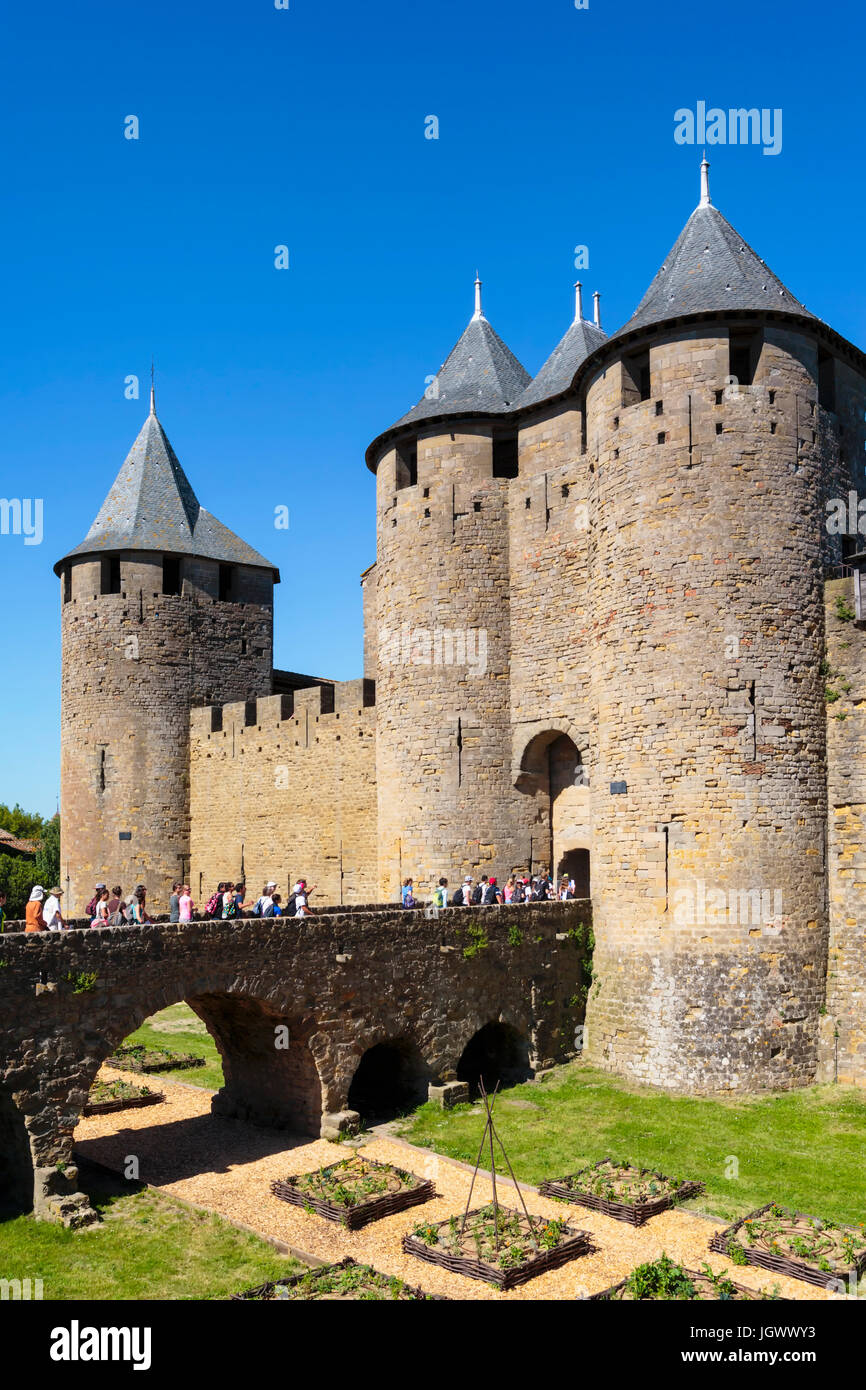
{"x": 634, "y": 1213}
{"x": 353, "y": 1218}
{"x": 578, "y": 1243}
{"x": 785, "y": 1264}
{"x": 106, "y": 1107}
{"x": 607, "y": 1295}
{"x": 262, "y": 1290}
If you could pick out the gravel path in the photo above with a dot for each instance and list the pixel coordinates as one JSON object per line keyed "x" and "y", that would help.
{"x": 227, "y": 1167}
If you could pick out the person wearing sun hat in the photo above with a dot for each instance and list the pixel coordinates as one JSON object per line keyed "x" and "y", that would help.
{"x": 51, "y": 911}
{"x": 33, "y": 911}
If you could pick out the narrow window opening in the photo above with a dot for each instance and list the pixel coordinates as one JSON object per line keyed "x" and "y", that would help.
{"x": 407, "y": 464}
{"x": 476, "y": 506}
{"x": 459, "y": 751}
{"x": 667, "y": 834}
{"x": 772, "y": 397}
{"x": 67, "y": 584}
{"x": 636, "y": 378}
{"x": 720, "y": 396}
{"x": 565, "y": 489}
{"x": 102, "y": 769}
{"x": 660, "y": 438}
{"x": 226, "y": 582}
{"x": 426, "y": 511}
{"x": 772, "y": 427}
{"x": 754, "y": 710}
{"x": 827, "y": 381}
{"x": 719, "y": 428}
{"x": 426, "y": 492}
{"x": 528, "y": 503}
{"x": 660, "y": 409}
{"x": 744, "y": 350}
{"x": 505, "y": 457}
{"x": 171, "y": 574}
{"x": 110, "y": 574}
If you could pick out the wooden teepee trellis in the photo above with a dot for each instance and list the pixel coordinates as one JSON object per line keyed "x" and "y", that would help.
{"x": 491, "y": 1133}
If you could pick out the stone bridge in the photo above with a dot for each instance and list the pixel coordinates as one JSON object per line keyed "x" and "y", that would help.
{"x": 317, "y": 1021}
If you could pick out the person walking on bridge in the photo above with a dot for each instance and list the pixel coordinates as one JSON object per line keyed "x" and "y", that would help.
{"x": 33, "y": 911}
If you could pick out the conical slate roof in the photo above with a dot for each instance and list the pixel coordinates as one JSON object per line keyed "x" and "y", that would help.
{"x": 711, "y": 269}
{"x": 558, "y": 371}
{"x": 480, "y": 373}
{"x": 151, "y": 506}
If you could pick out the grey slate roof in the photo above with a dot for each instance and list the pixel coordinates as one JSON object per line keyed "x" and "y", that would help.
{"x": 480, "y": 373}
{"x": 151, "y": 506}
{"x": 558, "y": 371}
{"x": 711, "y": 268}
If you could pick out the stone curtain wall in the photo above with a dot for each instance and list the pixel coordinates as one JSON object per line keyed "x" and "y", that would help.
{"x": 288, "y": 790}
{"x": 339, "y": 983}
{"x": 846, "y": 755}
{"x": 133, "y": 665}
{"x": 707, "y": 540}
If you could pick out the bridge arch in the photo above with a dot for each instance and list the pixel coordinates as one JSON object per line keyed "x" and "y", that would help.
{"x": 497, "y": 1053}
{"x": 391, "y": 1077}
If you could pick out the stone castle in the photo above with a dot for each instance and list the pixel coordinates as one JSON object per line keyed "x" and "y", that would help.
{"x": 601, "y": 632}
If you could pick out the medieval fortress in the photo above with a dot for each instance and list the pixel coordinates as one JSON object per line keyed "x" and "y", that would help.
{"x": 607, "y": 631}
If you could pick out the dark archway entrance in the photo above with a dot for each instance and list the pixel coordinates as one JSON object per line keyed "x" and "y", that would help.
{"x": 574, "y": 864}
{"x": 16, "y": 1163}
{"x": 391, "y": 1078}
{"x": 498, "y": 1054}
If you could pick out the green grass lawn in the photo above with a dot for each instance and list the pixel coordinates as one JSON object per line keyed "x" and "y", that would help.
{"x": 146, "y": 1247}
{"x": 802, "y": 1148}
{"x": 179, "y": 1029}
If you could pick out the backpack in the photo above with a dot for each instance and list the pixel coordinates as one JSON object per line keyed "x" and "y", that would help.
{"x": 129, "y": 913}
{"x": 409, "y": 900}
{"x": 490, "y": 895}
{"x": 291, "y": 907}
{"x": 232, "y": 909}
{"x": 257, "y": 910}
{"x": 213, "y": 904}
{"x": 518, "y": 896}
{"x": 458, "y": 899}
{"x": 477, "y": 892}
{"x": 440, "y": 897}
{"x": 270, "y": 910}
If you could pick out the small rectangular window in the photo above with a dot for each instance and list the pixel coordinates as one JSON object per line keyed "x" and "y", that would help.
{"x": 636, "y": 378}
{"x": 67, "y": 584}
{"x": 407, "y": 464}
{"x": 110, "y": 576}
{"x": 744, "y": 350}
{"x": 827, "y": 381}
{"x": 171, "y": 574}
{"x": 505, "y": 457}
{"x": 226, "y": 582}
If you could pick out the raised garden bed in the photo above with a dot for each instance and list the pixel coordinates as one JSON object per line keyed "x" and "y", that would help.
{"x": 106, "y": 1096}
{"x": 663, "y": 1280}
{"x": 354, "y": 1191}
{"x": 526, "y": 1248}
{"x": 621, "y": 1190}
{"x": 792, "y": 1243}
{"x": 347, "y": 1280}
{"x": 137, "y": 1057}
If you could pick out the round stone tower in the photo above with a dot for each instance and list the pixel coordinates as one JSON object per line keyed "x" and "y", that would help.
{"x": 713, "y": 448}
{"x": 446, "y": 801}
{"x": 162, "y": 608}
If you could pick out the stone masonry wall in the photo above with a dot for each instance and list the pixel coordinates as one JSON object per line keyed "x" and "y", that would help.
{"x": 845, "y": 1055}
{"x": 279, "y": 789}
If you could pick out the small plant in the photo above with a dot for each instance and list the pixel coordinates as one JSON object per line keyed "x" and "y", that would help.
{"x": 477, "y": 941}
{"x": 844, "y": 611}
{"x": 82, "y": 981}
{"x": 515, "y": 935}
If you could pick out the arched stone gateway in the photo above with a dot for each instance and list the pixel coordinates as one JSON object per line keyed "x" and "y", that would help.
{"x": 292, "y": 1007}
{"x": 392, "y": 1077}
{"x": 498, "y": 1054}
{"x": 551, "y": 769}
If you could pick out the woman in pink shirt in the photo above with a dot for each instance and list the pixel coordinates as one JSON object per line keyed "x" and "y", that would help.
{"x": 185, "y": 905}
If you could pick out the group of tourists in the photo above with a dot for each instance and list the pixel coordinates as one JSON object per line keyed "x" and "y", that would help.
{"x": 229, "y": 901}
{"x": 487, "y": 892}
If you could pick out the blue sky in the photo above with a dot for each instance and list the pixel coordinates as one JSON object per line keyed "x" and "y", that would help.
{"x": 305, "y": 127}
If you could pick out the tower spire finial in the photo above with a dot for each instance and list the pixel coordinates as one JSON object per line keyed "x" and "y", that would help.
{"x": 152, "y": 390}
{"x": 596, "y": 309}
{"x": 706, "y": 200}
{"x": 578, "y": 302}
{"x": 479, "y": 312}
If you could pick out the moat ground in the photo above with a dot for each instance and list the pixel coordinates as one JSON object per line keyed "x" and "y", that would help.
{"x": 802, "y": 1148}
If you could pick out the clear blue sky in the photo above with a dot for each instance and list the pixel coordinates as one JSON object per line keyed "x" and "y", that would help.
{"x": 306, "y": 127}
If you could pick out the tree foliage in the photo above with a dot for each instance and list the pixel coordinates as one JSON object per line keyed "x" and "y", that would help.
{"x": 19, "y": 873}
